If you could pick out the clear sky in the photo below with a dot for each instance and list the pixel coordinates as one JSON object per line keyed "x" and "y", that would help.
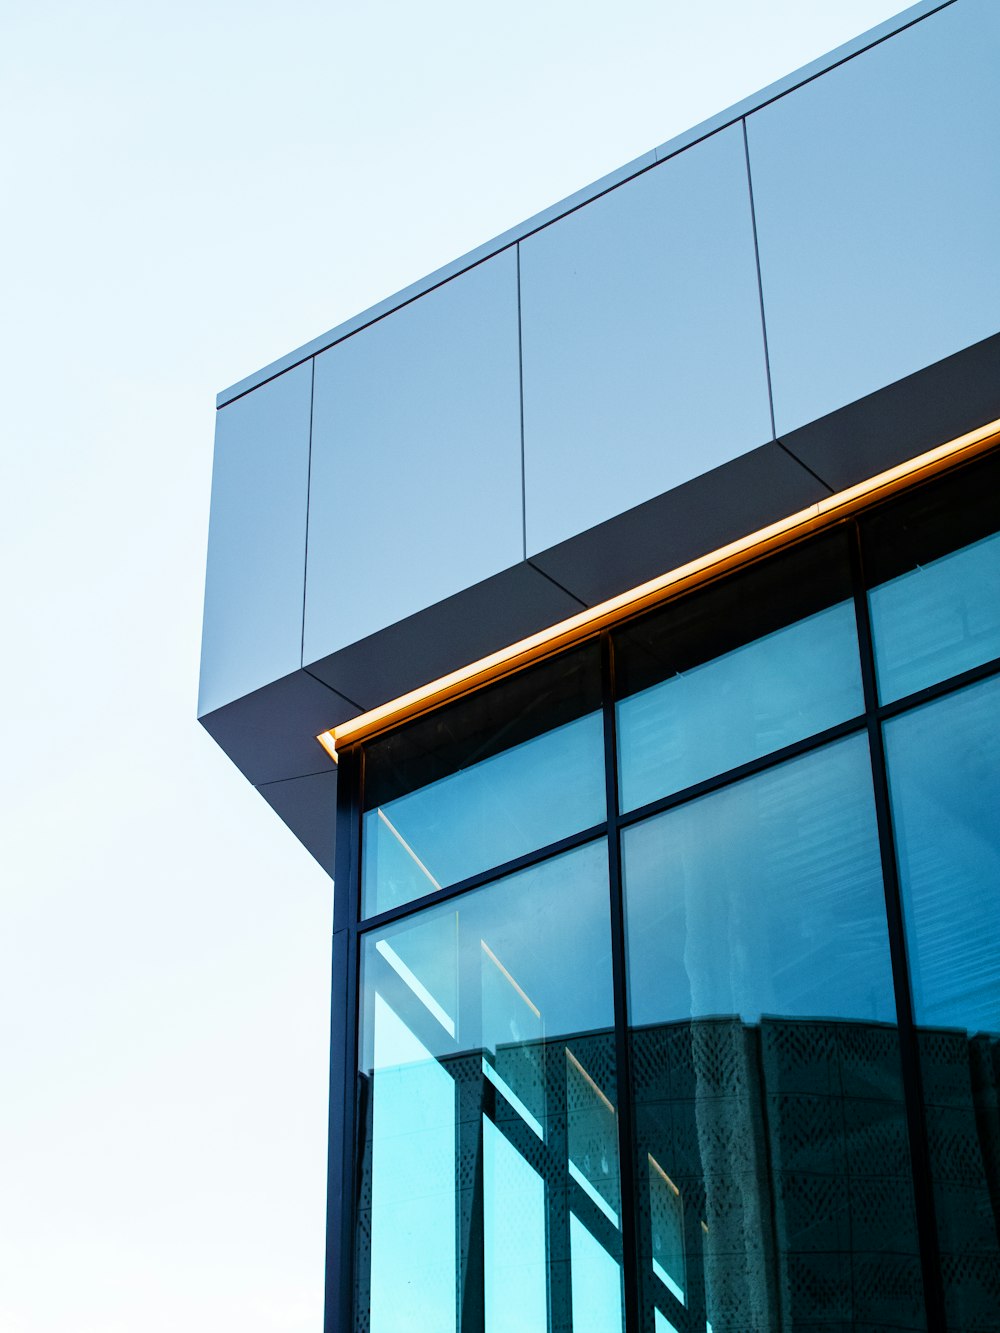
{"x": 189, "y": 191}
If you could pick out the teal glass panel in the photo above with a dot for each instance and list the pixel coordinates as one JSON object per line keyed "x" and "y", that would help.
{"x": 515, "y": 1289}
{"x": 495, "y": 1012}
{"x": 597, "y": 1282}
{"x": 412, "y": 1184}
{"x": 762, "y": 898}
{"x": 938, "y": 619}
{"x": 933, "y": 560}
{"x": 772, "y": 1158}
{"x": 736, "y": 672}
{"x": 944, "y": 778}
{"x": 483, "y": 782}
{"x": 944, "y": 781}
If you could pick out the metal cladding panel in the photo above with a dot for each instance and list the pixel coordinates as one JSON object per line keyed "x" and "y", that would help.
{"x": 877, "y": 191}
{"x": 270, "y": 735}
{"x": 643, "y": 349}
{"x": 691, "y": 520}
{"x": 416, "y": 460}
{"x": 461, "y": 629}
{"x": 257, "y": 540}
{"x": 308, "y": 806}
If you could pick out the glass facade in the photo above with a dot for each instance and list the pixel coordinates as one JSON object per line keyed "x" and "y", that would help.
{"x": 673, "y": 987}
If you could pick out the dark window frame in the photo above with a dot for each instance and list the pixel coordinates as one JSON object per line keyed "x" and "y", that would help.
{"x": 350, "y": 928}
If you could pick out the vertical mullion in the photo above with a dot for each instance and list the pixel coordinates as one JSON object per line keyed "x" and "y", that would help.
{"x": 906, "y": 1026}
{"x": 630, "y": 1256}
{"x": 341, "y": 1158}
{"x": 470, "y": 1192}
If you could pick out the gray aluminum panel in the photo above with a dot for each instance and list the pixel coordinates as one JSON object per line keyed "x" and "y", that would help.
{"x": 642, "y": 344}
{"x": 270, "y": 735}
{"x": 938, "y": 403}
{"x": 416, "y": 463}
{"x": 703, "y": 514}
{"x": 677, "y": 144}
{"x": 463, "y": 628}
{"x": 309, "y": 807}
{"x": 877, "y": 192}
{"x": 257, "y": 540}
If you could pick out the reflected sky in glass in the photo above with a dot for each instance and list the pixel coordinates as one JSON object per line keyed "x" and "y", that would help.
{"x": 763, "y": 898}
{"x": 488, "y": 1054}
{"x": 760, "y": 697}
{"x": 413, "y": 1184}
{"x": 944, "y": 780}
{"x": 511, "y": 803}
{"x": 937, "y": 620}
{"x": 597, "y": 1283}
{"x": 515, "y": 1278}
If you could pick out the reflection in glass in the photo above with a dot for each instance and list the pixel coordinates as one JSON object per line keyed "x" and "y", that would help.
{"x": 944, "y": 776}
{"x": 483, "y": 782}
{"x": 597, "y": 1282}
{"x": 736, "y": 671}
{"x": 771, "y": 1140}
{"x": 515, "y": 1291}
{"x": 938, "y": 619}
{"x": 765, "y": 897}
{"x": 412, "y": 1183}
{"x": 934, "y": 561}
{"x": 944, "y": 779}
{"x": 501, "y": 1020}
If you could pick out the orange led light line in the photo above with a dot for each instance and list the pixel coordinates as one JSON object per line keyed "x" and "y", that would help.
{"x": 573, "y": 630}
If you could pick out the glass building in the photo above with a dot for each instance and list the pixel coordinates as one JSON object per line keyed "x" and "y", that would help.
{"x": 662, "y": 675}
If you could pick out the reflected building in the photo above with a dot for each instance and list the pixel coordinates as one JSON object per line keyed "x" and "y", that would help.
{"x": 616, "y": 616}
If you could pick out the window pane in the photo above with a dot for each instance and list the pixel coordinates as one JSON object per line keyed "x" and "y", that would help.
{"x": 412, "y": 1279}
{"x": 514, "y": 1280}
{"x": 944, "y": 776}
{"x": 597, "y": 1282}
{"x": 501, "y": 1023}
{"x": 737, "y": 671}
{"x": 935, "y": 561}
{"x": 484, "y": 781}
{"x": 765, "y": 897}
{"x": 772, "y": 1154}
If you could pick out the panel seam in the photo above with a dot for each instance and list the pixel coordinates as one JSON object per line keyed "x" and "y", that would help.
{"x": 305, "y": 553}
{"x": 795, "y": 458}
{"x": 336, "y": 336}
{"x": 520, "y": 393}
{"x": 760, "y": 281}
{"x": 339, "y": 693}
{"x": 561, "y": 586}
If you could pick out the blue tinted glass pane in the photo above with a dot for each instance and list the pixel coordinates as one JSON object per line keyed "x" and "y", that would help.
{"x": 944, "y": 776}
{"x": 515, "y": 1292}
{"x": 412, "y": 1182}
{"x": 764, "y": 695}
{"x": 769, "y": 1108}
{"x": 495, "y": 1012}
{"x": 597, "y": 1282}
{"x": 512, "y": 803}
{"x": 483, "y": 782}
{"x": 765, "y": 897}
{"x": 938, "y": 619}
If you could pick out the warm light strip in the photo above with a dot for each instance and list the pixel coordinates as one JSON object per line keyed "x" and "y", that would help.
{"x": 594, "y": 618}
{"x": 593, "y": 1086}
{"x": 660, "y": 1171}
{"x": 494, "y": 959}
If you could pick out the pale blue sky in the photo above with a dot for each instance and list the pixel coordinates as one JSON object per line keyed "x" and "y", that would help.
{"x": 190, "y": 191}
